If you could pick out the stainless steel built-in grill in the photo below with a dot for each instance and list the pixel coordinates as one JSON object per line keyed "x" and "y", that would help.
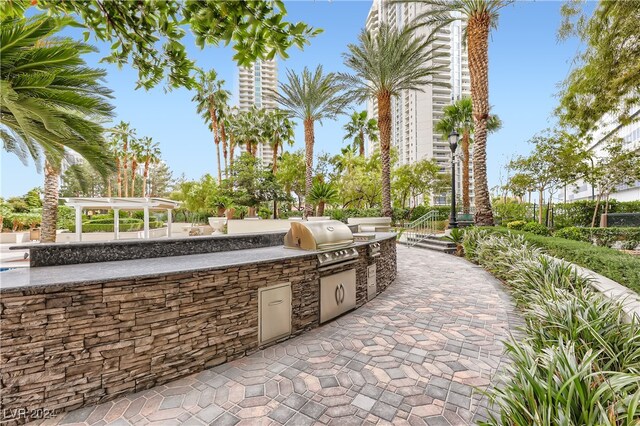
{"x": 334, "y": 239}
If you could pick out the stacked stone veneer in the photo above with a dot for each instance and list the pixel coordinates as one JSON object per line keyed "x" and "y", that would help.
{"x": 64, "y": 347}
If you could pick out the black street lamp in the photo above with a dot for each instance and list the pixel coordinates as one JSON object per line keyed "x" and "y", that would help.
{"x": 453, "y": 144}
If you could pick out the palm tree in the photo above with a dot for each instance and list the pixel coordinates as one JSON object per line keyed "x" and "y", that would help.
{"x": 311, "y": 97}
{"x": 480, "y": 17}
{"x": 125, "y": 134}
{"x": 136, "y": 153}
{"x": 322, "y": 193}
{"x": 385, "y": 63}
{"x": 459, "y": 117}
{"x": 210, "y": 99}
{"x": 150, "y": 155}
{"x": 50, "y": 103}
{"x": 279, "y": 132}
{"x": 360, "y": 127}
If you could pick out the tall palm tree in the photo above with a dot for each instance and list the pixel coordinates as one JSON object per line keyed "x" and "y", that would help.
{"x": 50, "y": 103}
{"x": 136, "y": 153}
{"x": 360, "y": 127}
{"x": 279, "y": 132}
{"x": 310, "y": 96}
{"x": 210, "y": 98}
{"x": 126, "y": 135}
{"x": 480, "y": 17}
{"x": 385, "y": 63}
{"x": 459, "y": 117}
{"x": 150, "y": 155}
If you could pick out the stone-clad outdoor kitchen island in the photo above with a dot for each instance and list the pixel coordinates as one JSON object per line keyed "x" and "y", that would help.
{"x": 76, "y": 335}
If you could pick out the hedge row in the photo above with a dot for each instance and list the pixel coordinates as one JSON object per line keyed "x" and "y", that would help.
{"x": 399, "y": 217}
{"x": 620, "y": 267}
{"x": 628, "y": 238}
{"x": 108, "y": 227}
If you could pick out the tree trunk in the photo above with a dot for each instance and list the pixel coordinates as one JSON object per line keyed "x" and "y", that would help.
{"x": 274, "y": 159}
{"x": 309, "y": 137}
{"x": 595, "y": 211}
{"x": 540, "y": 203}
{"x": 384, "y": 124}
{"x": 118, "y": 165}
{"x": 320, "y": 208}
{"x": 232, "y": 148}
{"x": 223, "y": 134}
{"x": 134, "y": 168}
{"x": 478, "y": 48}
{"x": 145, "y": 178}
{"x": 466, "y": 200}
{"x": 216, "y": 137}
{"x": 109, "y": 187}
{"x": 50, "y": 204}
{"x": 125, "y": 159}
{"x": 361, "y": 143}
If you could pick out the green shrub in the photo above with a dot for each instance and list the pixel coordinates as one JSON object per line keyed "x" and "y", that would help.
{"x": 517, "y": 225}
{"x": 536, "y": 228}
{"x": 620, "y": 267}
{"x": 578, "y": 362}
{"x": 603, "y": 237}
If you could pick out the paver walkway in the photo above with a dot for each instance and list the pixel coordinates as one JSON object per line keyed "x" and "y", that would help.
{"x": 412, "y": 355}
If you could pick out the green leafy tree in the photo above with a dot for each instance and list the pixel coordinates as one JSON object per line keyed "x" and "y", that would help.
{"x": 360, "y": 186}
{"x": 291, "y": 174}
{"x": 32, "y": 198}
{"x": 211, "y": 99}
{"x": 150, "y": 34}
{"x": 385, "y": 63}
{"x": 555, "y": 160}
{"x": 607, "y": 78}
{"x": 619, "y": 166}
{"x": 411, "y": 181}
{"x": 359, "y": 128}
{"x": 322, "y": 193}
{"x": 161, "y": 181}
{"x": 459, "y": 117}
{"x": 81, "y": 180}
{"x": 51, "y": 102}
{"x": 480, "y": 16}
{"x": 311, "y": 97}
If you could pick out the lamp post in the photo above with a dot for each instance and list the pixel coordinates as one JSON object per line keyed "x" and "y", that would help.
{"x": 453, "y": 144}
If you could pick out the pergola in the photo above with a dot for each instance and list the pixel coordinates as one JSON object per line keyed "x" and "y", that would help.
{"x": 116, "y": 204}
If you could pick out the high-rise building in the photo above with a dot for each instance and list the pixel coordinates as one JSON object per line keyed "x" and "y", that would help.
{"x": 609, "y": 127}
{"x": 414, "y": 112}
{"x": 255, "y": 82}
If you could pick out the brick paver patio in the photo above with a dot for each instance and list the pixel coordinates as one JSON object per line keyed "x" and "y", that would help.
{"x": 411, "y": 356}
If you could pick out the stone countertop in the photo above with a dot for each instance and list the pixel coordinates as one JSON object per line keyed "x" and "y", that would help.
{"x": 87, "y": 273}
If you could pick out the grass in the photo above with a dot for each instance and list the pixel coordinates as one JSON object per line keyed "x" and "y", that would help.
{"x": 620, "y": 267}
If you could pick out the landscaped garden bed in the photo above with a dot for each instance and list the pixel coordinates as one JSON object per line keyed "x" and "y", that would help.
{"x": 620, "y": 267}
{"x": 578, "y": 360}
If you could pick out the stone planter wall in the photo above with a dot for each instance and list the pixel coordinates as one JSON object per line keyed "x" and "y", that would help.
{"x": 64, "y": 347}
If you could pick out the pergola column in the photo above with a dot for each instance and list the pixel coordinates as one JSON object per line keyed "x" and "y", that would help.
{"x": 146, "y": 223}
{"x": 78, "y": 223}
{"x": 116, "y": 224}
{"x": 169, "y": 212}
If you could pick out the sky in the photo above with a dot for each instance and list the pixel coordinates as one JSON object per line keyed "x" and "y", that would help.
{"x": 526, "y": 65}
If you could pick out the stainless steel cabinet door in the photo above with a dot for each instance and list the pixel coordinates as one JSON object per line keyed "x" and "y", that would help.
{"x": 274, "y": 307}
{"x": 337, "y": 294}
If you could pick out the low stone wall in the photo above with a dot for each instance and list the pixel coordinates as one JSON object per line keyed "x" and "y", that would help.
{"x": 90, "y": 252}
{"x": 66, "y": 347}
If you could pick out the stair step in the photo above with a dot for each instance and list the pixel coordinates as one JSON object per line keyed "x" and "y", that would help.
{"x": 447, "y": 247}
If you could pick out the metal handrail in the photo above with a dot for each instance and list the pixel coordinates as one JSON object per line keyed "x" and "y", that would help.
{"x": 421, "y": 228}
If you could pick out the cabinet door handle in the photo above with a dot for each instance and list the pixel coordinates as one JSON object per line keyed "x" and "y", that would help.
{"x": 276, "y": 302}
{"x": 337, "y": 294}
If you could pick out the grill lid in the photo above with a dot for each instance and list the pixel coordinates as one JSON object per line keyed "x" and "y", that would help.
{"x": 318, "y": 235}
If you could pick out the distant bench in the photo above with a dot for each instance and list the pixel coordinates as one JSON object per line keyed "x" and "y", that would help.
{"x": 371, "y": 224}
